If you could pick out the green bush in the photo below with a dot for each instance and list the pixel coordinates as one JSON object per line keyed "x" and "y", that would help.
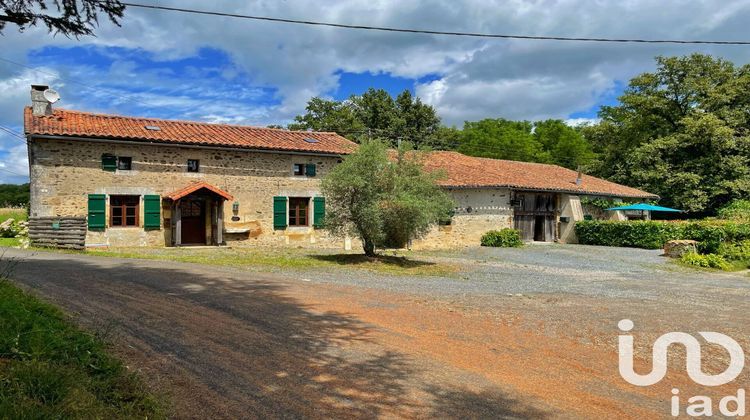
{"x": 738, "y": 210}
{"x": 635, "y": 234}
{"x": 735, "y": 251}
{"x": 705, "y": 260}
{"x": 504, "y": 238}
{"x": 654, "y": 234}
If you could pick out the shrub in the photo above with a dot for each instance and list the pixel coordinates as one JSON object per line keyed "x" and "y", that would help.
{"x": 654, "y": 234}
{"x": 736, "y": 210}
{"x": 735, "y": 251}
{"x": 504, "y": 238}
{"x": 635, "y": 234}
{"x": 10, "y": 228}
{"x": 705, "y": 261}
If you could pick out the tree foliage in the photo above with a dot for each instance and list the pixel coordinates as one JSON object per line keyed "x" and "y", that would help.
{"x": 73, "y": 18}
{"x": 680, "y": 132}
{"x": 374, "y": 114}
{"x": 383, "y": 200}
{"x": 565, "y": 145}
{"x": 12, "y": 195}
{"x": 550, "y": 141}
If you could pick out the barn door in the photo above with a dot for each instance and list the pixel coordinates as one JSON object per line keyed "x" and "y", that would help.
{"x": 526, "y": 225}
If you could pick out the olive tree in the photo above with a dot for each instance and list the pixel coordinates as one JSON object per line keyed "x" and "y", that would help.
{"x": 382, "y": 197}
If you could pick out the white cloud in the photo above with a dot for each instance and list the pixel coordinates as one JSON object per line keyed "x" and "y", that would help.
{"x": 479, "y": 78}
{"x": 577, "y": 122}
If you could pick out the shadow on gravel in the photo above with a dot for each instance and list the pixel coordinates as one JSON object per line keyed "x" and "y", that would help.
{"x": 242, "y": 348}
{"x": 356, "y": 259}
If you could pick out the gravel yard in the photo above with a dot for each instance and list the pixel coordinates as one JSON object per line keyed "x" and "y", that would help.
{"x": 519, "y": 333}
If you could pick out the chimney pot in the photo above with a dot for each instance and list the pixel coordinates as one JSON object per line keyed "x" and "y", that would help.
{"x": 579, "y": 178}
{"x": 40, "y": 106}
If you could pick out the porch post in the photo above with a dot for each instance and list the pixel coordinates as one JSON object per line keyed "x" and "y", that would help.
{"x": 220, "y": 223}
{"x": 177, "y": 224}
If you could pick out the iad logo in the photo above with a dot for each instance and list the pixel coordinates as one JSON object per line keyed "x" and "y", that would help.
{"x": 700, "y": 405}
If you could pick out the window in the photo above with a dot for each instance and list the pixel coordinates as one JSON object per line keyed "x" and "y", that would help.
{"x": 193, "y": 165}
{"x": 123, "y": 210}
{"x": 124, "y": 163}
{"x": 298, "y": 211}
{"x": 301, "y": 169}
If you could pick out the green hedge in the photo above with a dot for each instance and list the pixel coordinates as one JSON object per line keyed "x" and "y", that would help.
{"x": 635, "y": 234}
{"x": 654, "y": 234}
{"x": 505, "y": 238}
{"x": 705, "y": 261}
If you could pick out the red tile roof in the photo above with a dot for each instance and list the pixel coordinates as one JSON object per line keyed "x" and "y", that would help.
{"x": 472, "y": 172}
{"x": 462, "y": 171}
{"x": 176, "y": 195}
{"x": 102, "y": 126}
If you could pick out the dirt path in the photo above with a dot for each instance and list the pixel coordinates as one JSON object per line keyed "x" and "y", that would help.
{"x": 232, "y": 344}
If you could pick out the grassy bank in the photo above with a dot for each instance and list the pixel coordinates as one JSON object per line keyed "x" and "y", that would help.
{"x": 9, "y": 242}
{"x": 15, "y": 213}
{"x": 51, "y": 369}
{"x": 299, "y": 259}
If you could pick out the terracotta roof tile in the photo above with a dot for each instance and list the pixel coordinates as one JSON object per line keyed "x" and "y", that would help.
{"x": 102, "y": 126}
{"x": 462, "y": 171}
{"x": 465, "y": 172}
{"x": 176, "y": 195}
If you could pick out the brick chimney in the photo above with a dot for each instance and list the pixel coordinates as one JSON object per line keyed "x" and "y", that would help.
{"x": 40, "y": 106}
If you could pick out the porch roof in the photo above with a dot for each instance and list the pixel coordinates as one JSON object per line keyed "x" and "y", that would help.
{"x": 176, "y": 195}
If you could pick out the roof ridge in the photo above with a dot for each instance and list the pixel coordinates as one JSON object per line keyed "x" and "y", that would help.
{"x": 255, "y": 127}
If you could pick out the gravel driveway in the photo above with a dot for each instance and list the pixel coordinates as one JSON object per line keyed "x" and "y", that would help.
{"x": 520, "y": 333}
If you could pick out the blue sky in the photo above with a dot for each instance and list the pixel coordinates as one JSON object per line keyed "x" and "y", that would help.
{"x": 225, "y": 70}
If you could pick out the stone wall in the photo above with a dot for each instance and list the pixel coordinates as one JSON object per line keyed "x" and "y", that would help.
{"x": 64, "y": 172}
{"x": 477, "y": 211}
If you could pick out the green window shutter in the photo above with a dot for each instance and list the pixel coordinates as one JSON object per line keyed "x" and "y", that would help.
{"x": 97, "y": 211}
{"x": 319, "y": 211}
{"x": 310, "y": 169}
{"x": 109, "y": 162}
{"x": 151, "y": 212}
{"x": 279, "y": 213}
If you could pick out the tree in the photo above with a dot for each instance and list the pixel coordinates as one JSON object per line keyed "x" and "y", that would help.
{"x": 374, "y": 114}
{"x": 502, "y": 139}
{"x": 419, "y": 122}
{"x": 74, "y": 17}
{"x": 381, "y": 199}
{"x": 564, "y": 144}
{"x": 680, "y": 132}
{"x": 14, "y": 195}
{"x": 325, "y": 115}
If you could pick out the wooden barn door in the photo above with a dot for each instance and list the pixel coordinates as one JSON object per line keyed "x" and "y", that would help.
{"x": 534, "y": 216}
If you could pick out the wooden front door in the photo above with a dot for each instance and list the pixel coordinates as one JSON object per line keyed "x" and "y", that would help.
{"x": 193, "y": 216}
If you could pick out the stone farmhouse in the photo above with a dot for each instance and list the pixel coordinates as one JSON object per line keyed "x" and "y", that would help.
{"x": 152, "y": 182}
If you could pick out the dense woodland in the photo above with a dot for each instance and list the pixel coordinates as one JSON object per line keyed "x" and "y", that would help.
{"x": 13, "y": 195}
{"x": 681, "y": 131}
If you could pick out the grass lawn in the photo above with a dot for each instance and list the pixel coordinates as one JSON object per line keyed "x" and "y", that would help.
{"x": 9, "y": 242}
{"x": 286, "y": 258}
{"x": 51, "y": 369}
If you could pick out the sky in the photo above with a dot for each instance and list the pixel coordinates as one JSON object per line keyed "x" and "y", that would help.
{"x": 217, "y": 69}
